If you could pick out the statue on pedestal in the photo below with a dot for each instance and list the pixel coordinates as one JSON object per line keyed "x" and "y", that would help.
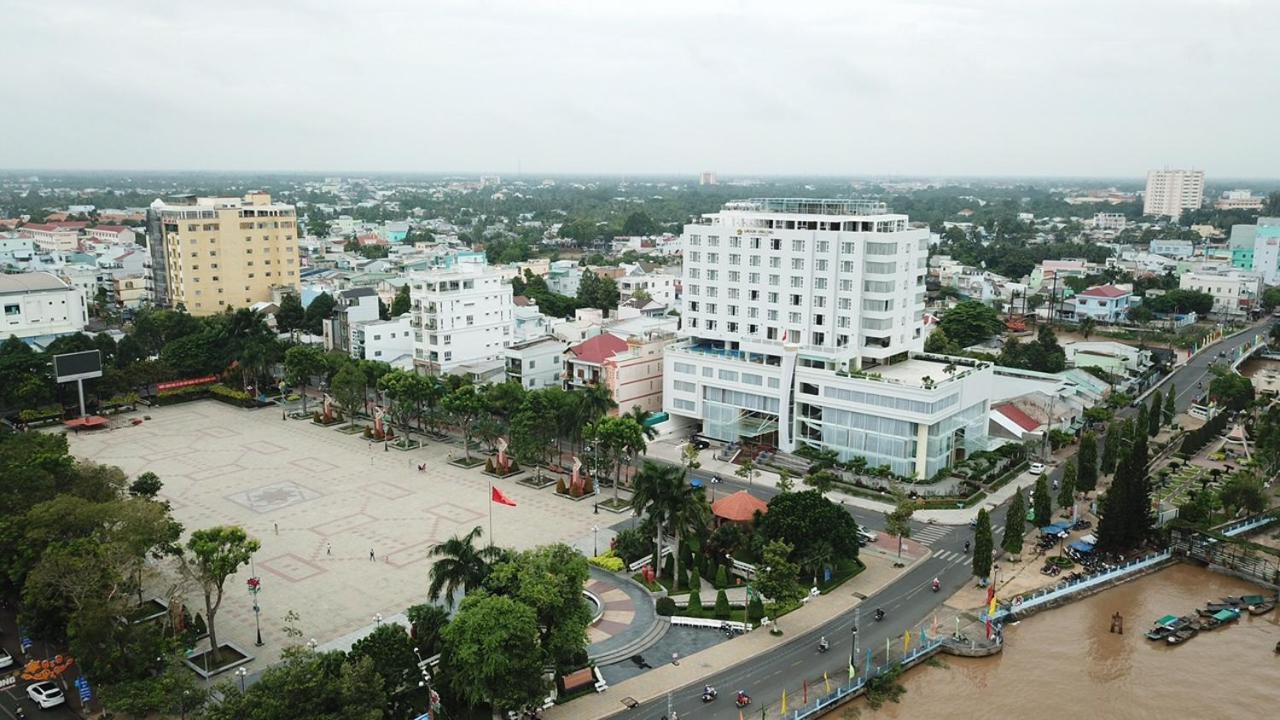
{"x": 577, "y": 480}
{"x": 504, "y": 463}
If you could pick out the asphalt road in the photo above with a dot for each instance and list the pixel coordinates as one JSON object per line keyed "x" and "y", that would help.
{"x": 907, "y": 602}
{"x": 1188, "y": 377}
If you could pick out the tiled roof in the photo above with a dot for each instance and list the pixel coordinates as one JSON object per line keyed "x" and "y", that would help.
{"x": 599, "y": 348}
{"x": 1020, "y": 418}
{"x": 1105, "y": 291}
{"x": 739, "y": 507}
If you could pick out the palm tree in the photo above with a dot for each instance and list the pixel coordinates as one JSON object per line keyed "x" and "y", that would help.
{"x": 594, "y": 402}
{"x": 689, "y": 514}
{"x": 641, "y": 416}
{"x": 460, "y": 565}
{"x": 654, "y": 487}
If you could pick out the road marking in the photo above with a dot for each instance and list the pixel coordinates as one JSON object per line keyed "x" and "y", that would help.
{"x": 931, "y": 534}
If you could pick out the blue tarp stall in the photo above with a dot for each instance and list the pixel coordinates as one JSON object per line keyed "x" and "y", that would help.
{"x": 1055, "y": 529}
{"x": 1081, "y": 546}
{"x": 655, "y": 418}
{"x": 695, "y": 483}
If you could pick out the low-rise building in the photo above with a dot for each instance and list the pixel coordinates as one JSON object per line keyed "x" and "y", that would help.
{"x": 536, "y": 363}
{"x": 1116, "y": 358}
{"x": 1176, "y": 249}
{"x": 1234, "y": 292}
{"x": 1239, "y": 200}
{"x": 1256, "y": 248}
{"x": 1104, "y": 303}
{"x": 131, "y": 291}
{"x": 390, "y": 341}
{"x": 62, "y": 237}
{"x": 634, "y": 376}
{"x": 659, "y": 286}
{"x": 1109, "y": 221}
{"x": 117, "y": 234}
{"x": 40, "y": 304}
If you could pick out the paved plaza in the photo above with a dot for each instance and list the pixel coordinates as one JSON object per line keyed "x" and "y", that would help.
{"x": 321, "y": 501}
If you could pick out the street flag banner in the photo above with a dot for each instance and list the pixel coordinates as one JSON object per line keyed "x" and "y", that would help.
{"x": 805, "y": 700}
{"x": 784, "y": 702}
{"x": 868, "y": 670}
{"x": 906, "y": 642}
{"x": 826, "y": 681}
{"x": 499, "y": 497}
{"x": 852, "y": 673}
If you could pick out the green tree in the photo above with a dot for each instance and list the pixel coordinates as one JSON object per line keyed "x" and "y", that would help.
{"x": 491, "y": 653}
{"x": 174, "y": 691}
{"x": 549, "y": 579}
{"x": 426, "y": 627}
{"x": 147, "y": 486}
{"x": 814, "y": 526}
{"x": 1155, "y": 414}
{"x": 639, "y": 223}
{"x": 939, "y": 342}
{"x": 349, "y": 390}
{"x": 213, "y": 555}
{"x": 1067, "y": 488}
{"x": 532, "y": 436}
{"x": 1110, "y": 454}
{"x": 655, "y": 486}
{"x": 460, "y": 565}
{"x": 897, "y": 522}
{"x": 982, "y": 546}
{"x": 320, "y": 308}
{"x": 1087, "y": 326}
{"x": 465, "y": 407}
{"x": 970, "y": 322}
{"x": 1197, "y": 509}
{"x": 1170, "y": 409}
{"x": 306, "y": 685}
{"x": 1243, "y": 491}
{"x": 1042, "y": 502}
{"x": 291, "y": 315}
{"x": 390, "y": 651}
{"x": 1087, "y": 463}
{"x": 401, "y": 304}
{"x": 777, "y": 578}
{"x": 1230, "y": 388}
{"x": 1014, "y": 525}
{"x": 302, "y": 363}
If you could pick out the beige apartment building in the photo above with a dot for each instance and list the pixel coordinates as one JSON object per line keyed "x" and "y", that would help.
{"x": 221, "y": 253}
{"x": 1169, "y": 192}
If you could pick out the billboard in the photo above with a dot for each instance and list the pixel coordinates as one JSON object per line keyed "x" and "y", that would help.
{"x": 77, "y": 365}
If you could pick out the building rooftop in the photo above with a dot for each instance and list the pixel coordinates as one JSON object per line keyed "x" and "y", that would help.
{"x": 1105, "y": 291}
{"x": 599, "y": 348}
{"x": 810, "y": 206}
{"x": 1017, "y": 416}
{"x": 30, "y": 282}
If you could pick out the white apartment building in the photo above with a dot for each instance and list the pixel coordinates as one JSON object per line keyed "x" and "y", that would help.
{"x": 1234, "y": 292}
{"x": 385, "y": 340}
{"x": 1169, "y": 192}
{"x": 54, "y": 236}
{"x": 536, "y": 363}
{"x": 803, "y": 325}
{"x": 461, "y": 314}
{"x": 660, "y": 286}
{"x": 40, "y": 304}
{"x": 1109, "y": 221}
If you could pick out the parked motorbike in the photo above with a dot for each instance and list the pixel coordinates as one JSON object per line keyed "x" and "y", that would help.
{"x": 709, "y": 695}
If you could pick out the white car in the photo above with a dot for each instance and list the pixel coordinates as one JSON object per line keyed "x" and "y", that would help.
{"x": 867, "y": 536}
{"x": 6, "y": 660}
{"x": 45, "y": 695}
{"x": 1036, "y": 468}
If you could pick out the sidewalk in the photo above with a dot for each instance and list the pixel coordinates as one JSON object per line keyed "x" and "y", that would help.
{"x": 656, "y": 683}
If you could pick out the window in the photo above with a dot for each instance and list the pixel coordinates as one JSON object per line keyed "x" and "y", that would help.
{"x": 12, "y": 310}
{"x": 797, "y": 263}
{"x": 820, "y": 265}
{"x": 820, "y": 283}
{"x": 846, "y": 248}
{"x": 735, "y": 259}
{"x": 824, "y": 246}
{"x": 797, "y": 246}
{"x": 684, "y": 386}
{"x": 793, "y": 318}
{"x": 682, "y": 404}
{"x": 795, "y": 300}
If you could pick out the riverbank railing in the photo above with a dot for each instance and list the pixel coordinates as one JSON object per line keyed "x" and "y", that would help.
{"x": 824, "y": 704}
{"x": 1067, "y": 588}
{"x": 1248, "y": 525}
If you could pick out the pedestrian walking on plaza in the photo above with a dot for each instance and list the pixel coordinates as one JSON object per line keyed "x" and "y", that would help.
{"x": 276, "y": 526}
{"x": 372, "y": 557}
{"x": 328, "y": 550}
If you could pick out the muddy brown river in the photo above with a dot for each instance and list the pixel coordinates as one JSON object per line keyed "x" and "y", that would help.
{"x": 1064, "y": 663}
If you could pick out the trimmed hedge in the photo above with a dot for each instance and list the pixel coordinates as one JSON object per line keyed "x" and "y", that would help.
{"x": 665, "y": 606}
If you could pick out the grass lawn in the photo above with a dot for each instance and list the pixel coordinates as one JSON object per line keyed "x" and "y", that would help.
{"x": 843, "y": 571}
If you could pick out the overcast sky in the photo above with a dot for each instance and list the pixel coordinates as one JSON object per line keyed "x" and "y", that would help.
{"x": 909, "y": 87}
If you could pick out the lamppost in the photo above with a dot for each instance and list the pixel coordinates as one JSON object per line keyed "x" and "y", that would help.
{"x": 377, "y": 619}
{"x": 311, "y": 644}
{"x": 595, "y": 540}
{"x": 425, "y": 683}
{"x": 240, "y": 674}
{"x": 283, "y": 410}
{"x": 255, "y": 587}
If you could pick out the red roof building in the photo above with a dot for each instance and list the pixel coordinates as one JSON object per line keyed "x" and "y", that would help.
{"x": 583, "y": 362}
{"x": 1014, "y": 420}
{"x": 1105, "y": 291}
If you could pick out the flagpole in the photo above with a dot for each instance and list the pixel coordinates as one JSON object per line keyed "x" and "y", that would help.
{"x": 491, "y": 543}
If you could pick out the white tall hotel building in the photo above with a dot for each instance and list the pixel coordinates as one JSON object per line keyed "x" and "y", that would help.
{"x": 462, "y": 317}
{"x": 1169, "y": 192}
{"x": 803, "y": 325}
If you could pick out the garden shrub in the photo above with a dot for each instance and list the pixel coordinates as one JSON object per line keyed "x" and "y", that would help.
{"x": 695, "y": 604}
{"x": 722, "y": 605}
{"x": 665, "y": 606}
{"x": 722, "y": 577}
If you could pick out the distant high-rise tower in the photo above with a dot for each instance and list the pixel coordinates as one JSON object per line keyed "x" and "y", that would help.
{"x": 1169, "y": 192}
{"x": 707, "y": 178}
